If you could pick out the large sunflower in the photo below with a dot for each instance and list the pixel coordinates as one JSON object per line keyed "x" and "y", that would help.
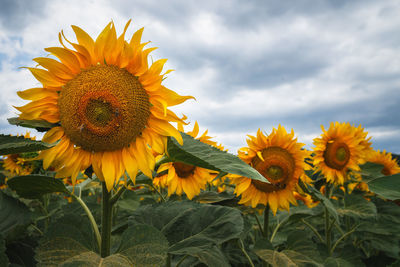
{"x": 280, "y": 159}
{"x": 19, "y": 164}
{"x": 341, "y": 148}
{"x": 182, "y": 177}
{"x": 107, "y": 104}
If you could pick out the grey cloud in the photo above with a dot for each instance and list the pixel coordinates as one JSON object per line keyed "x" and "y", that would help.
{"x": 16, "y": 14}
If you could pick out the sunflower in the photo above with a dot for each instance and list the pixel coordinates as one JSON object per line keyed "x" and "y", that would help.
{"x": 343, "y": 147}
{"x": 19, "y": 164}
{"x": 390, "y": 165}
{"x": 107, "y": 105}
{"x": 280, "y": 159}
{"x": 182, "y": 177}
{"x": 306, "y": 199}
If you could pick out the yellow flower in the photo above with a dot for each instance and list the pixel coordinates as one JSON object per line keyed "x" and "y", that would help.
{"x": 108, "y": 105}
{"x": 339, "y": 149}
{"x": 280, "y": 159}
{"x": 17, "y": 164}
{"x": 306, "y": 199}
{"x": 390, "y": 165}
{"x": 182, "y": 177}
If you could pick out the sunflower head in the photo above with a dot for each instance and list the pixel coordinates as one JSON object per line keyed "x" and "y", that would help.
{"x": 107, "y": 104}
{"x": 341, "y": 148}
{"x": 19, "y": 164}
{"x": 390, "y": 165}
{"x": 280, "y": 159}
{"x": 182, "y": 177}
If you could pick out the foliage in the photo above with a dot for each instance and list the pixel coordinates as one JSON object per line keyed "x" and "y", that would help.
{"x": 45, "y": 221}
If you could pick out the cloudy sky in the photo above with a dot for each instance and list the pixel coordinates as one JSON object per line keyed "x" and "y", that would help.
{"x": 250, "y": 64}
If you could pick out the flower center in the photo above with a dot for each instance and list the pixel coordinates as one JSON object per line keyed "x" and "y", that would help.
{"x": 103, "y": 108}
{"x": 278, "y": 167}
{"x": 183, "y": 170}
{"x": 336, "y": 155}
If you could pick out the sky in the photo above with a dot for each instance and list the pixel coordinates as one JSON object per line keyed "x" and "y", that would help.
{"x": 250, "y": 64}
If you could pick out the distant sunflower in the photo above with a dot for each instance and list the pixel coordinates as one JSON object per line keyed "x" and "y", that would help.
{"x": 19, "y": 164}
{"x": 280, "y": 159}
{"x": 341, "y": 148}
{"x": 182, "y": 177}
{"x": 390, "y": 165}
{"x": 306, "y": 199}
{"x": 107, "y": 105}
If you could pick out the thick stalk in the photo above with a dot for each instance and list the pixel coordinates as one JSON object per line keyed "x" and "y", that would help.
{"x": 266, "y": 221}
{"x": 106, "y": 222}
{"x": 327, "y": 232}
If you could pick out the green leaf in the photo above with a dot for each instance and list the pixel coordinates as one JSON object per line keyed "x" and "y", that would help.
{"x": 197, "y": 153}
{"x": 91, "y": 259}
{"x": 67, "y": 252}
{"x": 387, "y": 187}
{"x": 72, "y": 226}
{"x": 370, "y": 171}
{"x": 210, "y": 256}
{"x": 300, "y": 241}
{"x": 325, "y": 201}
{"x": 191, "y": 227}
{"x": 337, "y": 262}
{"x": 144, "y": 245}
{"x": 18, "y": 144}
{"x": 204, "y": 226}
{"x": 57, "y": 250}
{"x": 35, "y": 186}
{"x": 211, "y": 197}
{"x": 288, "y": 258}
{"x": 39, "y": 125}
{"x": 357, "y": 207}
{"x": 13, "y": 213}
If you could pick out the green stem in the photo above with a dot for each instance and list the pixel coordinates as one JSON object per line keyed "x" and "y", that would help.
{"x": 168, "y": 263}
{"x": 158, "y": 192}
{"x": 277, "y": 228}
{"x": 106, "y": 222}
{"x": 91, "y": 218}
{"x": 327, "y": 219}
{"x": 314, "y": 230}
{"x": 181, "y": 260}
{"x": 119, "y": 193}
{"x": 340, "y": 239}
{"x": 266, "y": 221}
{"x": 37, "y": 229}
{"x": 338, "y": 227}
{"x": 241, "y": 245}
{"x": 327, "y": 232}
{"x": 259, "y": 225}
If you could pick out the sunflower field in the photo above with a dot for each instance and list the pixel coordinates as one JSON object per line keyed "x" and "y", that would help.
{"x": 118, "y": 179}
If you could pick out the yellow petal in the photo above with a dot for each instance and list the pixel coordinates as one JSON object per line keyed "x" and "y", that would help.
{"x": 66, "y": 57}
{"x": 45, "y": 78}
{"x": 273, "y": 201}
{"x": 130, "y": 164}
{"x": 36, "y": 94}
{"x": 55, "y": 67}
{"x": 53, "y": 135}
{"x": 164, "y": 128}
{"x": 108, "y": 169}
